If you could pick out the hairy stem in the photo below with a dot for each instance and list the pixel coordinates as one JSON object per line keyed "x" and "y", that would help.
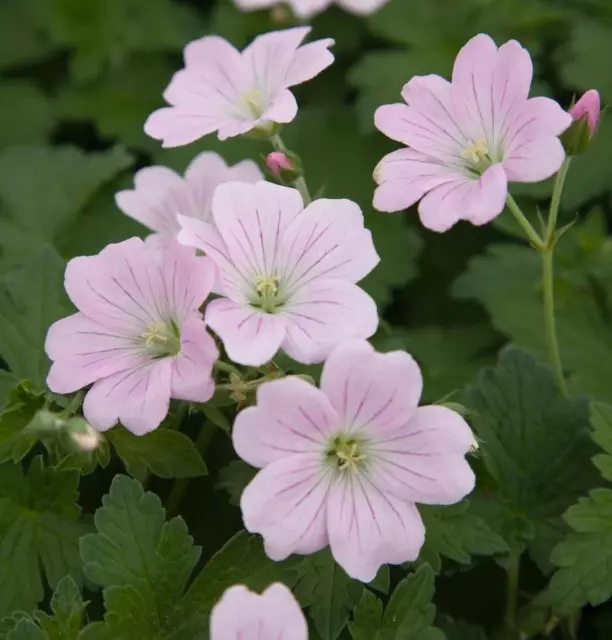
{"x": 300, "y": 182}
{"x": 519, "y": 216}
{"x": 512, "y": 576}
{"x": 556, "y": 200}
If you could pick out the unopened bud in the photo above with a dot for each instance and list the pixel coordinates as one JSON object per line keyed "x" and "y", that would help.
{"x": 277, "y": 162}
{"x": 588, "y": 108}
{"x": 84, "y": 437}
{"x": 586, "y": 114}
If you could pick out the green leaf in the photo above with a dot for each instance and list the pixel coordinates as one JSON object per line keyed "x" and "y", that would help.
{"x": 328, "y": 592}
{"x": 535, "y": 444}
{"x": 241, "y": 561}
{"x": 39, "y": 528}
{"x": 508, "y": 282}
{"x": 121, "y": 100}
{"x": 234, "y": 478}
{"x": 601, "y": 421}
{"x": 31, "y": 299}
{"x": 409, "y": 614}
{"x": 137, "y": 554}
{"x": 26, "y": 630}
{"x": 164, "y": 452}
{"x": 45, "y": 188}
{"x": 23, "y": 36}
{"x": 19, "y": 410}
{"x": 68, "y": 612}
{"x": 456, "y": 533}
{"x": 104, "y": 32}
{"x": 459, "y": 630}
{"x": 26, "y": 116}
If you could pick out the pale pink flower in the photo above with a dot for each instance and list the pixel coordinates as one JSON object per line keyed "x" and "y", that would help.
{"x": 306, "y": 9}
{"x": 344, "y": 465}
{"x": 138, "y": 335}
{"x": 589, "y": 107}
{"x": 467, "y": 139}
{"x": 160, "y": 194}
{"x": 287, "y": 273}
{"x": 221, "y": 89}
{"x": 244, "y": 615}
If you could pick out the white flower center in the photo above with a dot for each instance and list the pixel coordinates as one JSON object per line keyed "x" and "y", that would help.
{"x": 347, "y": 453}
{"x": 253, "y": 101}
{"x": 161, "y": 339}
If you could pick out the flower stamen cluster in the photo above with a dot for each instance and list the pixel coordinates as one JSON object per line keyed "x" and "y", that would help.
{"x": 347, "y": 453}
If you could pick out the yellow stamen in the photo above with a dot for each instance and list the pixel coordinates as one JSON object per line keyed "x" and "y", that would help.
{"x": 476, "y": 151}
{"x": 155, "y": 333}
{"x": 349, "y": 458}
{"x": 267, "y": 284}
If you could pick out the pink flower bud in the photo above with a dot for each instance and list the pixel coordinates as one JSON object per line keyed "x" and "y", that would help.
{"x": 590, "y": 106}
{"x": 277, "y": 162}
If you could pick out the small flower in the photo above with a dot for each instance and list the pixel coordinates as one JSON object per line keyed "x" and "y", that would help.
{"x": 288, "y": 274}
{"x": 83, "y": 437}
{"x": 138, "y": 336}
{"x": 160, "y": 194}
{"x": 588, "y": 108}
{"x": 344, "y": 465}
{"x": 305, "y": 9}
{"x": 273, "y": 615}
{"x": 467, "y": 139}
{"x": 278, "y": 162}
{"x": 221, "y": 89}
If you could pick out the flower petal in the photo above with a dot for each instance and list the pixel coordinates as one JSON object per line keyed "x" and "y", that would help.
{"x": 192, "y": 367}
{"x": 158, "y": 195}
{"x": 121, "y": 287}
{"x": 286, "y": 504}
{"x": 250, "y": 337}
{"x": 376, "y": 393}
{"x": 274, "y": 614}
{"x": 534, "y": 160}
{"x": 178, "y": 126}
{"x": 368, "y": 527}
{"x": 361, "y": 7}
{"x": 324, "y": 313}
{"x": 188, "y": 280}
{"x": 85, "y": 351}
{"x": 405, "y": 176}
{"x": 425, "y": 461}
{"x": 139, "y": 398}
{"x": 282, "y": 109}
{"x": 310, "y": 59}
{"x": 252, "y": 220}
{"x": 328, "y": 240}
{"x": 291, "y": 416}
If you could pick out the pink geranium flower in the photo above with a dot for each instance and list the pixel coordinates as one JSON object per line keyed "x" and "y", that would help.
{"x": 221, "y": 89}
{"x": 305, "y": 9}
{"x": 469, "y": 138}
{"x": 589, "y": 108}
{"x": 244, "y": 615}
{"x": 344, "y": 465}
{"x": 287, "y": 273}
{"x": 138, "y": 335}
{"x": 160, "y": 194}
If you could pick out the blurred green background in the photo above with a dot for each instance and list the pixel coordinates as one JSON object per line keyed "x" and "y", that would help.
{"x": 79, "y": 77}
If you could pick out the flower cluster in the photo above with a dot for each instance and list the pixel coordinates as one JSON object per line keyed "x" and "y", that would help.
{"x": 344, "y": 464}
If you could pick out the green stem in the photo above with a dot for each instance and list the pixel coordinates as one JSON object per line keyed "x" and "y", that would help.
{"x": 549, "y": 318}
{"x": 226, "y": 367}
{"x": 519, "y": 216}
{"x": 556, "y": 200}
{"x": 512, "y": 592}
{"x": 300, "y": 182}
{"x": 180, "y": 485}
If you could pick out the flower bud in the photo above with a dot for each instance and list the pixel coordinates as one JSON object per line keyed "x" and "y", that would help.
{"x": 83, "y": 436}
{"x": 277, "y": 162}
{"x": 586, "y": 114}
{"x": 588, "y": 108}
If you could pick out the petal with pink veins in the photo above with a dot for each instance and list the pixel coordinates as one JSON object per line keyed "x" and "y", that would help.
{"x": 139, "y": 398}
{"x": 286, "y": 504}
{"x": 374, "y": 393}
{"x": 324, "y": 313}
{"x": 368, "y": 527}
{"x": 425, "y": 461}
{"x": 291, "y": 416}
{"x": 535, "y": 159}
{"x": 249, "y": 336}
